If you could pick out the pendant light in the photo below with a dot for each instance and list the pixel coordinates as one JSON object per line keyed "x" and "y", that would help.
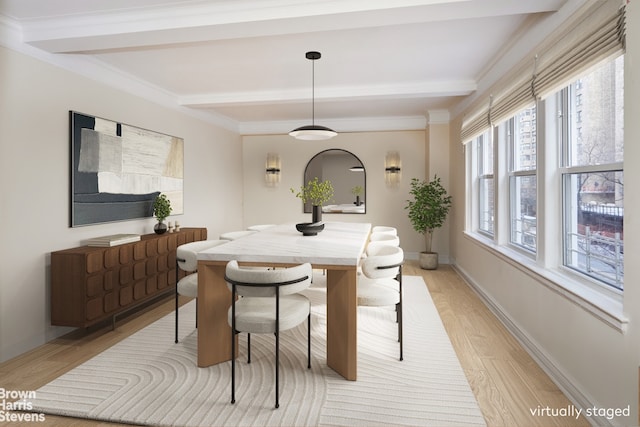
{"x": 313, "y": 132}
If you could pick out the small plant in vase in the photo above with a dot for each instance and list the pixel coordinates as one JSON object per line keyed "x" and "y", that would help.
{"x": 317, "y": 193}
{"x": 161, "y": 210}
{"x": 357, "y": 191}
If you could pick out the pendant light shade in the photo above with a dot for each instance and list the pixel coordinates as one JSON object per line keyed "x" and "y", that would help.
{"x": 313, "y": 132}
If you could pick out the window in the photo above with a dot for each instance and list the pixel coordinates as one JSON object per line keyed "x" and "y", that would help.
{"x": 484, "y": 149}
{"x": 563, "y": 156}
{"x": 522, "y": 143}
{"x": 592, "y": 174}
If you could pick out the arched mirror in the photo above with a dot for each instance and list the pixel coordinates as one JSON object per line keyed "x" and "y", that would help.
{"x": 347, "y": 175}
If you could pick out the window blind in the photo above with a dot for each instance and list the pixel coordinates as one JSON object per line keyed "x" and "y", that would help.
{"x": 475, "y": 125}
{"x": 596, "y": 34}
{"x": 600, "y": 35}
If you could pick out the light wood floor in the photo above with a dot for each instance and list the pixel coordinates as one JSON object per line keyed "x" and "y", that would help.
{"x": 507, "y": 383}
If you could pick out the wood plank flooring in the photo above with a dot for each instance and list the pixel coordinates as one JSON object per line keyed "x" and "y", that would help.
{"x": 506, "y": 381}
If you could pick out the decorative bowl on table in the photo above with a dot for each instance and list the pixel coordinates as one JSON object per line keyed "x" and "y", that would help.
{"x": 310, "y": 228}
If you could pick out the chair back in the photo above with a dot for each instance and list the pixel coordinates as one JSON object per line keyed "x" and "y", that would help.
{"x": 384, "y": 229}
{"x": 377, "y": 240}
{"x": 263, "y": 283}
{"x": 187, "y": 254}
{"x": 385, "y": 264}
{"x": 385, "y": 237}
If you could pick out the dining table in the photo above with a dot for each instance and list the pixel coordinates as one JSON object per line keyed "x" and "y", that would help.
{"x": 337, "y": 249}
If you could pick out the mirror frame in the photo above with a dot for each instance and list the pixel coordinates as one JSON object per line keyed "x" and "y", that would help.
{"x": 305, "y": 179}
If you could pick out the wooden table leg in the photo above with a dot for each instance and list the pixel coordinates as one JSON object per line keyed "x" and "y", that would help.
{"x": 342, "y": 310}
{"x": 214, "y": 300}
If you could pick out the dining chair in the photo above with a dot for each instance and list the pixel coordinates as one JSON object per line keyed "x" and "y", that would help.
{"x": 380, "y": 283}
{"x": 267, "y": 302}
{"x": 384, "y": 229}
{"x": 187, "y": 260}
{"x": 381, "y": 239}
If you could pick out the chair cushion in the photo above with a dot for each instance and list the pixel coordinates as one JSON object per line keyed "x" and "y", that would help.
{"x": 258, "y": 314}
{"x": 188, "y": 286}
{"x": 374, "y": 294}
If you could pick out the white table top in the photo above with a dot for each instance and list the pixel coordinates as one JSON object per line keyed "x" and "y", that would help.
{"x": 340, "y": 243}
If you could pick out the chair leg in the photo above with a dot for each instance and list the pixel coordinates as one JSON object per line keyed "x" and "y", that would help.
{"x": 248, "y": 348}
{"x": 177, "y": 313}
{"x": 399, "y": 308}
{"x": 277, "y": 368}
{"x": 177, "y": 271}
{"x": 309, "y": 341}
{"x": 233, "y": 344}
{"x": 277, "y": 328}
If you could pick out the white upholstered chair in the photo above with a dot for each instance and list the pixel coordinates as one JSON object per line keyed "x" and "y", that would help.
{"x": 377, "y": 240}
{"x": 267, "y": 302}
{"x": 384, "y": 229}
{"x": 187, "y": 260}
{"x": 380, "y": 283}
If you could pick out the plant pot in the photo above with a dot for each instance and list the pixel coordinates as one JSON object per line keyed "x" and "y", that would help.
{"x": 428, "y": 260}
{"x": 160, "y": 228}
{"x": 316, "y": 213}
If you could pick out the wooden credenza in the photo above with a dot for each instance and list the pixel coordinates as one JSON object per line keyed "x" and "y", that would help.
{"x": 91, "y": 284}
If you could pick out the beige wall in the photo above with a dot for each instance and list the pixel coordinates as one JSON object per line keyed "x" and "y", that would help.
{"x": 34, "y": 181}
{"x": 385, "y": 206}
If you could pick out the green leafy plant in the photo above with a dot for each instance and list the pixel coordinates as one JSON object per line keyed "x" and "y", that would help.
{"x": 357, "y": 190}
{"x": 429, "y": 207}
{"x": 161, "y": 207}
{"x": 316, "y": 192}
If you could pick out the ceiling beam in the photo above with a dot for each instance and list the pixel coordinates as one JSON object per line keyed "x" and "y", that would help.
{"x": 191, "y": 22}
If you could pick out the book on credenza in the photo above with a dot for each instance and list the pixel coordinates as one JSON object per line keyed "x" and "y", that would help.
{"x": 113, "y": 240}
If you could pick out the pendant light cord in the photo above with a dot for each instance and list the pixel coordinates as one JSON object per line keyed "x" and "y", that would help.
{"x": 313, "y": 92}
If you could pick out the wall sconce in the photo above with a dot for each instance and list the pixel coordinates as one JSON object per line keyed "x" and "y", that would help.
{"x": 272, "y": 170}
{"x": 392, "y": 168}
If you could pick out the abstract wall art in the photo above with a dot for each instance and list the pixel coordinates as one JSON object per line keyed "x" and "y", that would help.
{"x": 117, "y": 170}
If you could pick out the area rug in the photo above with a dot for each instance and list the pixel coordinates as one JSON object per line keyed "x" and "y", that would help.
{"x": 146, "y": 379}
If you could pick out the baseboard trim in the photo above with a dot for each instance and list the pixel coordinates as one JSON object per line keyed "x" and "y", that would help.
{"x": 564, "y": 382}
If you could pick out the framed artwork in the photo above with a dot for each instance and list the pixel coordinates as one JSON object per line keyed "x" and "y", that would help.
{"x": 118, "y": 170}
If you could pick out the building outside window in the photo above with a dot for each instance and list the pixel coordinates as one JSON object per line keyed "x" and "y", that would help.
{"x": 521, "y": 135}
{"x": 592, "y": 174}
{"x": 486, "y": 215}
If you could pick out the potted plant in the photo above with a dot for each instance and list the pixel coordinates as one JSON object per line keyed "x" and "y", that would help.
{"x": 357, "y": 191}
{"x": 317, "y": 193}
{"x": 161, "y": 210}
{"x": 428, "y": 211}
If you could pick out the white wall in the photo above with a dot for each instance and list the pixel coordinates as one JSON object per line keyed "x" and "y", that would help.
{"x": 595, "y": 363}
{"x": 385, "y": 206}
{"x": 34, "y": 181}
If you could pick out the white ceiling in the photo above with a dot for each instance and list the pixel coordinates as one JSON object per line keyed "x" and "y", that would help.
{"x": 243, "y": 62}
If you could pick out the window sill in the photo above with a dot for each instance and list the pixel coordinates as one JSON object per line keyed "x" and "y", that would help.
{"x": 607, "y": 308}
